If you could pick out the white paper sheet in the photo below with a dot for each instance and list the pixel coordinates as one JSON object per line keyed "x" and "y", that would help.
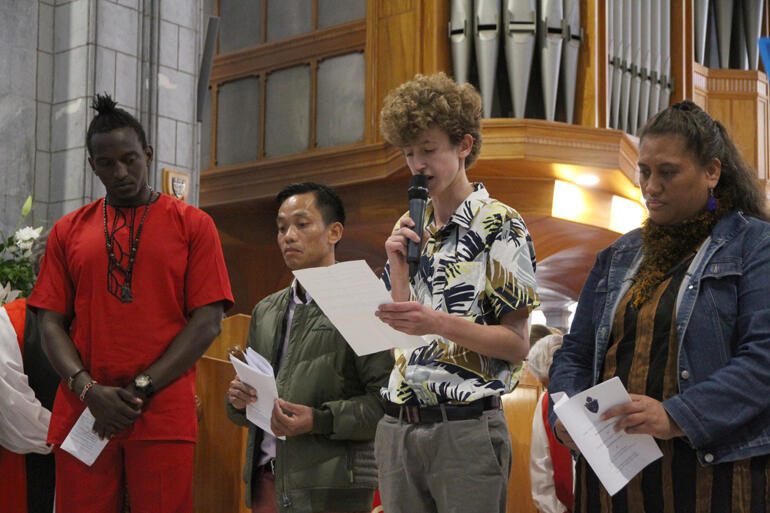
{"x": 82, "y": 442}
{"x": 259, "y": 362}
{"x": 262, "y": 380}
{"x": 615, "y": 457}
{"x": 349, "y": 294}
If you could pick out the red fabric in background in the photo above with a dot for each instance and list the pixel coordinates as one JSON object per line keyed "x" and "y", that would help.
{"x": 17, "y": 312}
{"x": 13, "y": 480}
{"x": 561, "y": 459}
{"x": 377, "y": 503}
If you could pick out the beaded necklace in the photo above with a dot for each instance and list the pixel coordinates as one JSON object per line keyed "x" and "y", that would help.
{"x": 125, "y": 291}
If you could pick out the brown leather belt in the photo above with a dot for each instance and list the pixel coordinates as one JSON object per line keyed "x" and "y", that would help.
{"x": 432, "y": 414}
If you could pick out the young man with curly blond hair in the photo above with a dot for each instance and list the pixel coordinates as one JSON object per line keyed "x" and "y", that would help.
{"x": 443, "y": 445}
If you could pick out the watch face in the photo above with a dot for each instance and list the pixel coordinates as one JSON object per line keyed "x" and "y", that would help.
{"x": 142, "y": 381}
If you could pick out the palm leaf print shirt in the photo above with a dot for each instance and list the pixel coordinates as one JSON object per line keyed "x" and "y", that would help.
{"x": 479, "y": 266}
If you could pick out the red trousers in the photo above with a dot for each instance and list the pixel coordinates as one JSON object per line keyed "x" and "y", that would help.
{"x": 157, "y": 473}
{"x": 13, "y": 484}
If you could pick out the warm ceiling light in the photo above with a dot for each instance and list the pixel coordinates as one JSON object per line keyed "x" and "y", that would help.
{"x": 568, "y": 202}
{"x": 625, "y": 215}
{"x": 586, "y": 179}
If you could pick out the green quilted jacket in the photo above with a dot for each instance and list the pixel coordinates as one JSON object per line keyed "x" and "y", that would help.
{"x": 332, "y": 468}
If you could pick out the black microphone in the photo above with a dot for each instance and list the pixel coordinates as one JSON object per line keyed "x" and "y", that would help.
{"x": 418, "y": 199}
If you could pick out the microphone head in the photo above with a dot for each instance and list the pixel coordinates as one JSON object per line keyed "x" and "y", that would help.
{"x": 418, "y": 187}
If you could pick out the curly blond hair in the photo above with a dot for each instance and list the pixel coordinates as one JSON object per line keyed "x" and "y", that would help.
{"x": 432, "y": 101}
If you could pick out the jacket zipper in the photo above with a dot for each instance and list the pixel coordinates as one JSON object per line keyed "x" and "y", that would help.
{"x": 286, "y": 368}
{"x": 350, "y": 463}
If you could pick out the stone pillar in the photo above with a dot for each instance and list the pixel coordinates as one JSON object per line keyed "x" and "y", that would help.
{"x": 97, "y": 48}
{"x": 18, "y": 57}
{"x": 55, "y": 55}
{"x": 176, "y": 140}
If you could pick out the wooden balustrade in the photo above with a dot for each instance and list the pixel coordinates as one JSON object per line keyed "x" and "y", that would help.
{"x": 221, "y": 448}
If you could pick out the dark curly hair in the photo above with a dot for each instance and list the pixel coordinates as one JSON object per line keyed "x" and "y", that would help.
{"x": 109, "y": 117}
{"x": 432, "y": 101}
{"x": 705, "y": 138}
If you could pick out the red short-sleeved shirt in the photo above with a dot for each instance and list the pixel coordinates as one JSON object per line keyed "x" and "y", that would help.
{"x": 179, "y": 267}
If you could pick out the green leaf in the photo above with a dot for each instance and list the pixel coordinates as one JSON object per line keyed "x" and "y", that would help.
{"x": 27, "y": 207}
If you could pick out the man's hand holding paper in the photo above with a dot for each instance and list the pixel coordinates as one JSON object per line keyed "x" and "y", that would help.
{"x": 240, "y": 394}
{"x": 257, "y": 374}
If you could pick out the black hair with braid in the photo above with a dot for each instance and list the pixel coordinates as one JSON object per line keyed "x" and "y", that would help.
{"x": 705, "y": 139}
{"x": 109, "y": 117}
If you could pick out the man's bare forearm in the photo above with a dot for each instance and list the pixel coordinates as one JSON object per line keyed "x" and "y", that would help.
{"x": 188, "y": 346}
{"x": 57, "y": 344}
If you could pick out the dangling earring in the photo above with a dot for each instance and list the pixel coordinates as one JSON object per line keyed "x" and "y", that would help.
{"x": 712, "y": 203}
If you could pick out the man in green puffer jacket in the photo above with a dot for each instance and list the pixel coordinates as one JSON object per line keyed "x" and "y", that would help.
{"x": 329, "y": 402}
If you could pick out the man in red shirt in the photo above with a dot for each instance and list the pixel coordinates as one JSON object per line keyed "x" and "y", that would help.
{"x": 131, "y": 292}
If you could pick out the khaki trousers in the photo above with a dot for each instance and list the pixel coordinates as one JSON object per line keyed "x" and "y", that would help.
{"x": 454, "y": 466}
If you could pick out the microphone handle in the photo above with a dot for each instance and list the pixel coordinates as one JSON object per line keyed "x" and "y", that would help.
{"x": 413, "y": 249}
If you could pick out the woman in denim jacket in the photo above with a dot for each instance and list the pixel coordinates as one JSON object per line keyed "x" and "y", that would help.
{"x": 679, "y": 310}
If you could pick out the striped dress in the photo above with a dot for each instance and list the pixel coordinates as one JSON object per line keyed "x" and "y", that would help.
{"x": 643, "y": 354}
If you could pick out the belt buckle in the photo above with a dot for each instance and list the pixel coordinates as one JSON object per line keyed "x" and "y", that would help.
{"x": 412, "y": 414}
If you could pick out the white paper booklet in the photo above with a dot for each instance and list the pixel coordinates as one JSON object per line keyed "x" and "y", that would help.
{"x": 82, "y": 442}
{"x": 349, "y": 294}
{"x": 258, "y": 374}
{"x": 615, "y": 457}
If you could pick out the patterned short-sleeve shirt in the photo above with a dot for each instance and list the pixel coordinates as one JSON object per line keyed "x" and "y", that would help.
{"x": 479, "y": 266}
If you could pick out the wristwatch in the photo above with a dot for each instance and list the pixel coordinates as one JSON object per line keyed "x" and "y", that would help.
{"x": 143, "y": 385}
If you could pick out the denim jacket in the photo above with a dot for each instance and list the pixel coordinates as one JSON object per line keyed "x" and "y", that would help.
{"x": 723, "y": 335}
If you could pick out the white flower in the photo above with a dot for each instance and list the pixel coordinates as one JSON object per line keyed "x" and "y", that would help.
{"x": 26, "y": 236}
{"x": 7, "y": 295}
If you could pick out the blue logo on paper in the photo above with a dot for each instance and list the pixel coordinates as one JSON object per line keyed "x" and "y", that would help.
{"x": 592, "y": 405}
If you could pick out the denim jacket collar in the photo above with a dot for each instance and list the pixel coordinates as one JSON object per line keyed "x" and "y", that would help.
{"x": 627, "y": 257}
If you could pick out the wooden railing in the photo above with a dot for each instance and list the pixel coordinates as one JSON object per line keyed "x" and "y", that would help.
{"x": 221, "y": 447}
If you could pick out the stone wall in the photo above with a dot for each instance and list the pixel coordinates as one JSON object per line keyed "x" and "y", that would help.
{"x": 177, "y": 130}
{"x": 18, "y": 44}
{"x": 54, "y": 56}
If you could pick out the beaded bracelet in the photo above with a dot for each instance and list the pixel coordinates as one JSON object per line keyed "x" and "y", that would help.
{"x": 71, "y": 379}
{"x": 86, "y": 388}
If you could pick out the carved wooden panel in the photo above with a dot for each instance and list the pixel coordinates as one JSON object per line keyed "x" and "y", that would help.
{"x": 327, "y": 42}
{"x": 394, "y": 7}
{"x": 235, "y": 329}
{"x": 591, "y": 87}
{"x": 221, "y": 447}
{"x": 534, "y": 147}
{"x": 739, "y": 100}
{"x": 519, "y": 407}
{"x": 395, "y": 35}
{"x": 682, "y": 49}
{"x": 434, "y": 24}
{"x": 333, "y": 166}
